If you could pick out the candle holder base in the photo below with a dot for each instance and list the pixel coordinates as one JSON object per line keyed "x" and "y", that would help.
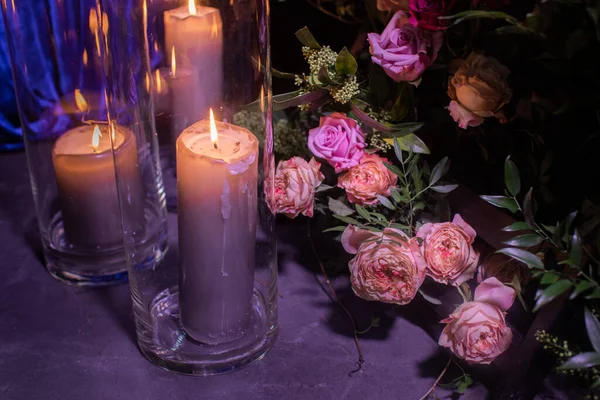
{"x": 170, "y": 348}
{"x": 98, "y": 266}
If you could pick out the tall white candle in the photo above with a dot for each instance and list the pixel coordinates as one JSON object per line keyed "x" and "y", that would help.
{"x": 196, "y": 34}
{"x": 217, "y": 212}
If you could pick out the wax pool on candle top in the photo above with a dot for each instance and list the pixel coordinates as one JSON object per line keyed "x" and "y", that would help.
{"x": 85, "y": 176}
{"x": 217, "y": 211}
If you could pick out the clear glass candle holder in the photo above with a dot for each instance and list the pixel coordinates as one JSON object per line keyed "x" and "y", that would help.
{"x": 210, "y": 306}
{"x": 57, "y": 51}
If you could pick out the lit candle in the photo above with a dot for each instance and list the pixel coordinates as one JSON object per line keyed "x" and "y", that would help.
{"x": 217, "y": 210}
{"x": 197, "y": 34}
{"x": 85, "y": 175}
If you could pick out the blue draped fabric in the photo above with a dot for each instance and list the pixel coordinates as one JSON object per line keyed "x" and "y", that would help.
{"x": 46, "y": 40}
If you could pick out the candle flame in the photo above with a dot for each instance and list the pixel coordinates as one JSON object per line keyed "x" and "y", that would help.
{"x": 96, "y": 137}
{"x": 192, "y": 7}
{"x": 82, "y": 105}
{"x": 158, "y": 82}
{"x": 173, "y": 62}
{"x": 85, "y": 57}
{"x": 213, "y": 130}
{"x": 112, "y": 132}
{"x": 147, "y": 82}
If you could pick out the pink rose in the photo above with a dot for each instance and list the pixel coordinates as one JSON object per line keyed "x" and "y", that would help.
{"x": 448, "y": 251}
{"x": 338, "y": 140}
{"x": 404, "y": 51}
{"x": 462, "y": 116}
{"x": 392, "y": 5}
{"x": 388, "y": 266}
{"x": 295, "y": 184}
{"x": 368, "y": 179}
{"x": 425, "y": 13}
{"x": 478, "y": 89}
{"x": 476, "y": 331}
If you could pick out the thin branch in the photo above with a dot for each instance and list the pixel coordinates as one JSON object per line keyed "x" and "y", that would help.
{"x": 439, "y": 378}
{"x": 335, "y": 297}
{"x": 319, "y": 7}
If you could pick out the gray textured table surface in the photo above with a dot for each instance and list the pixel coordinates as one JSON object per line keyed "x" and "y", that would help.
{"x": 61, "y": 342}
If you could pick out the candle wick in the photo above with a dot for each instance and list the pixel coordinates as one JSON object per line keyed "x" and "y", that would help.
{"x": 214, "y": 144}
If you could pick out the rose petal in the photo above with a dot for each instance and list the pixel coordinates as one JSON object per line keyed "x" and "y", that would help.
{"x": 494, "y": 292}
{"x": 353, "y": 237}
{"x": 458, "y": 220}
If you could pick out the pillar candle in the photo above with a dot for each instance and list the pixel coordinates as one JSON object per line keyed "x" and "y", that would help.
{"x": 196, "y": 34}
{"x": 217, "y": 212}
{"x": 85, "y": 175}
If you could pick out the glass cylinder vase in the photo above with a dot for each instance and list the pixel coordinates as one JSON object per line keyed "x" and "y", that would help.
{"x": 57, "y": 52}
{"x": 210, "y": 306}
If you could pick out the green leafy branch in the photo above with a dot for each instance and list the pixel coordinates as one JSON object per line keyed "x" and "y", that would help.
{"x": 568, "y": 245}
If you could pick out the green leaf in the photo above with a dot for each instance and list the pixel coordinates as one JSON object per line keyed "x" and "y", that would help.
{"x": 385, "y": 202}
{"x": 286, "y": 100}
{"x": 398, "y": 151}
{"x": 502, "y": 202}
{"x": 400, "y": 226}
{"x": 552, "y": 292}
{"x": 528, "y": 208}
{"x": 394, "y": 169}
{"x": 444, "y": 188}
{"x": 549, "y": 278}
{"x": 429, "y": 298}
{"x": 576, "y": 249}
{"x": 348, "y": 220}
{"x": 413, "y": 143}
{"x": 440, "y": 169}
{"x": 524, "y": 256}
{"x": 580, "y": 288}
{"x": 340, "y": 228}
{"x": 527, "y": 240}
{"x": 464, "y": 383}
{"x": 595, "y": 295}
{"x": 363, "y": 213}
{"x": 473, "y": 14}
{"x": 345, "y": 63}
{"x": 511, "y": 177}
{"x": 569, "y": 221}
{"x": 593, "y": 329}
{"x": 324, "y": 77}
{"x": 595, "y": 384}
{"x": 339, "y": 208}
{"x": 583, "y": 360}
{"x": 404, "y": 128}
{"x": 396, "y": 195}
{"x": 419, "y": 206}
{"x": 307, "y": 38}
{"x": 517, "y": 226}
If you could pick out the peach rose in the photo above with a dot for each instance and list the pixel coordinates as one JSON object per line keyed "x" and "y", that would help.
{"x": 392, "y": 5}
{"x": 448, "y": 251}
{"x": 476, "y": 331}
{"x": 388, "y": 266}
{"x": 367, "y": 180}
{"x": 479, "y": 89}
{"x": 295, "y": 183}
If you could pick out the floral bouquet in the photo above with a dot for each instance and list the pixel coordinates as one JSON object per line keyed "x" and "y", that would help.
{"x": 350, "y": 148}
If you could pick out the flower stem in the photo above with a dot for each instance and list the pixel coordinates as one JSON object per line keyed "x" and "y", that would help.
{"x": 335, "y": 297}
{"x": 439, "y": 378}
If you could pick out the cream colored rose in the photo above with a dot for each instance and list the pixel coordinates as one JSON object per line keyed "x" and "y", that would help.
{"x": 448, "y": 251}
{"x": 479, "y": 89}
{"x": 388, "y": 266}
{"x": 367, "y": 180}
{"x": 295, "y": 183}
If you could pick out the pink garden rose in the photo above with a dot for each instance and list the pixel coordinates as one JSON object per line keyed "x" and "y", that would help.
{"x": 392, "y": 5}
{"x": 388, "y": 266}
{"x": 295, "y": 183}
{"x": 425, "y": 13}
{"x": 368, "y": 179}
{"x": 338, "y": 140}
{"x": 479, "y": 89}
{"x": 448, "y": 251}
{"x": 403, "y": 50}
{"x": 476, "y": 331}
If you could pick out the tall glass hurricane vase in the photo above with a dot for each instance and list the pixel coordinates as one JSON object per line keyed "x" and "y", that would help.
{"x": 57, "y": 52}
{"x": 210, "y": 305}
